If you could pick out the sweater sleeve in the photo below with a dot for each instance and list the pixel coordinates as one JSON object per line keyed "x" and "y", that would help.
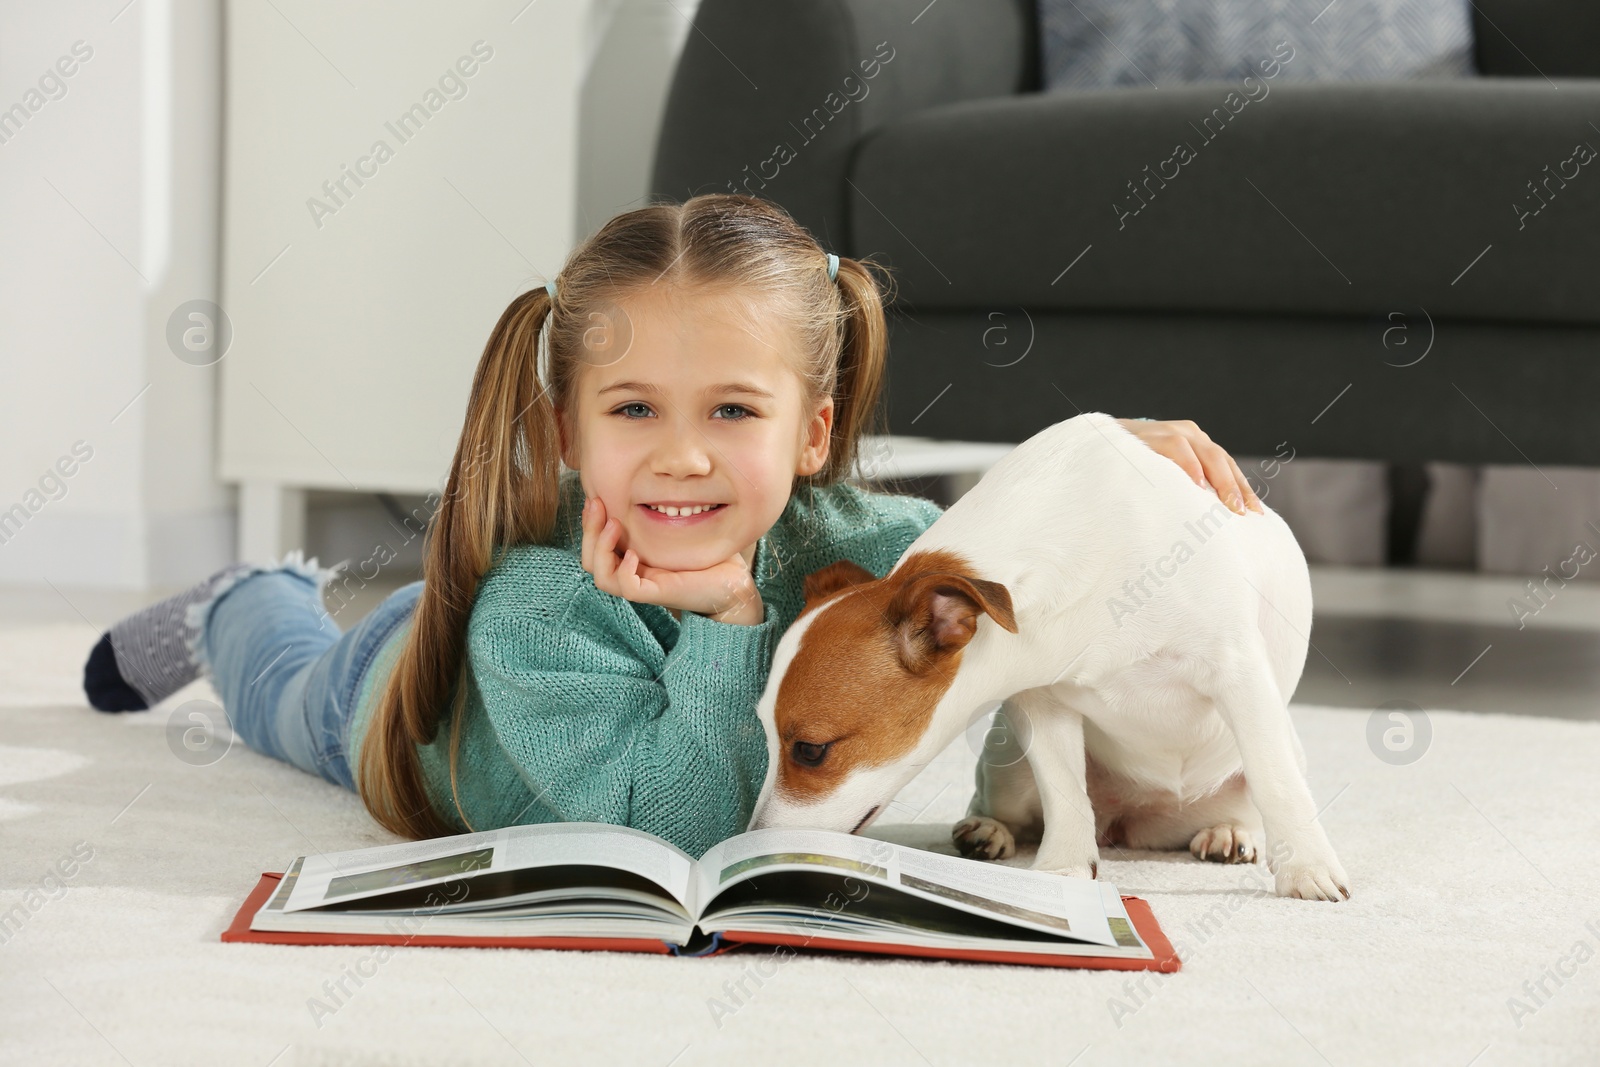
{"x": 597, "y": 735}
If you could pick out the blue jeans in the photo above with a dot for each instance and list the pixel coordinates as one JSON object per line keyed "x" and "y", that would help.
{"x": 287, "y": 676}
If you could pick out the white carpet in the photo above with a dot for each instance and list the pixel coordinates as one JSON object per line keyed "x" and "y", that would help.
{"x": 1474, "y": 871}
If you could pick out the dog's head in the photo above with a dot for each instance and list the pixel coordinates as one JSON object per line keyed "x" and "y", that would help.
{"x": 855, "y": 682}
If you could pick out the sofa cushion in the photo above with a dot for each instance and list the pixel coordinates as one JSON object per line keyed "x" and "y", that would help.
{"x": 771, "y": 99}
{"x": 1538, "y": 38}
{"x": 1335, "y": 387}
{"x": 1297, "y": 199}
{"x": 1087, "y": 44}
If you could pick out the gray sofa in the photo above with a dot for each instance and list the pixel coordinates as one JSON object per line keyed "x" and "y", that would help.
{"x": 1339, "y": 267}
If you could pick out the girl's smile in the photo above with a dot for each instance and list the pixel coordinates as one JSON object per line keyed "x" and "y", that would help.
{"x": 686, "y": 516}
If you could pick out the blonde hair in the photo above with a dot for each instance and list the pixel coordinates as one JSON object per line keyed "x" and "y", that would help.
{"x": 504, "y": 483}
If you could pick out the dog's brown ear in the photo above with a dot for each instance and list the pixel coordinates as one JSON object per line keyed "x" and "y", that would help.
{"x": 823, "y": 583}
{"x": 937, "y": 614}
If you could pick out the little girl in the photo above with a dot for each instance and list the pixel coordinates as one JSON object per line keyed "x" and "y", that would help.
{"x": 652, "y": 463}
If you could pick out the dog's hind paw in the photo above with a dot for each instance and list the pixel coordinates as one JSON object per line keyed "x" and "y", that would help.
{"x": 980, "y": 837}
{"x": 1223, "y": 844}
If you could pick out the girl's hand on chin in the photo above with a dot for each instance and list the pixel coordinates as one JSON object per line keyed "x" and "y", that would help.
{"x": 724, "y": 592}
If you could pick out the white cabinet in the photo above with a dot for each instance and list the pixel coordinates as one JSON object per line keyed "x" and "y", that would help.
{"x": 395, "y": 173}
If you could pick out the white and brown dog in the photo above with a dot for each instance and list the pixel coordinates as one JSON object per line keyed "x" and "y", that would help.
{"x": 1144, "y": 640}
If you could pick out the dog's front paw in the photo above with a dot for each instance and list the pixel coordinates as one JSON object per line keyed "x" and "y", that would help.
{"x": 1313, "y": 881}
{"x": 1224, "y": 844}
{"x": 1091, "y": 869}
{"x": 983, "y": 838}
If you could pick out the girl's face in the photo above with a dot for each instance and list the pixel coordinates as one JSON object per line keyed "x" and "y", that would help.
{"x": 683, "y": 403}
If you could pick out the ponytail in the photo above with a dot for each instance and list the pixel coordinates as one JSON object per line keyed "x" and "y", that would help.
{"x": 503, "y": 489}
{"x": 862, "y": 367}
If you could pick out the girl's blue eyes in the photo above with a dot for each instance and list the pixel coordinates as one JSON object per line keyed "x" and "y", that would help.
{"x": 721, "y": 407}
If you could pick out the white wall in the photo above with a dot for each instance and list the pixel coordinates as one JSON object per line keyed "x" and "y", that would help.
{"x": 109, "y": 217}
{"x": 634, "y": 47}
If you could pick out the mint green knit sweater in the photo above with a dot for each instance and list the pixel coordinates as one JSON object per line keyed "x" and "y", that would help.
{"x": 583, "y": 706}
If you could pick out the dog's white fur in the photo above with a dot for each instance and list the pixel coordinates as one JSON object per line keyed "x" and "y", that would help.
{"x": 1147, "y": 683}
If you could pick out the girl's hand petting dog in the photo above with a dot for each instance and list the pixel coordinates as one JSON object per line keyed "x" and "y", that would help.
{"x": 725, "y": 592}
{"x": 1202, "y": 458}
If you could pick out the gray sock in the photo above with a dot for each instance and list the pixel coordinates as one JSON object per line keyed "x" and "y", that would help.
{"x": 152, "y": 646}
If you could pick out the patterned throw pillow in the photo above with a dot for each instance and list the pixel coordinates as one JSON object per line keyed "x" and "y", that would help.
{"x": 1096, "y": 44}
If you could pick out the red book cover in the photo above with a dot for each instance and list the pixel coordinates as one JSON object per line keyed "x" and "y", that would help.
{"x": 1138, "y": 913}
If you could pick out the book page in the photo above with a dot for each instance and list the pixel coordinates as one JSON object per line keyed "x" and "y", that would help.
{"x": 757, "y": 849}
{"x": 1036, "y": 900}
{"x": 1122, "y": 927}
{"x": 603, "y": 845}
{"x": 1072, "y": 906}
{"x": 330, "y": 879}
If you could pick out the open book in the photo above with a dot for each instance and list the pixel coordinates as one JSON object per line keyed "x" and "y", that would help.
{"x": 595, "y": 885}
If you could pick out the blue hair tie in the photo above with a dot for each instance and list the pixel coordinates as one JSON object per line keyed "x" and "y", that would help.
{"x": 833, "y": 266}
{"x": 550, "y": 287}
